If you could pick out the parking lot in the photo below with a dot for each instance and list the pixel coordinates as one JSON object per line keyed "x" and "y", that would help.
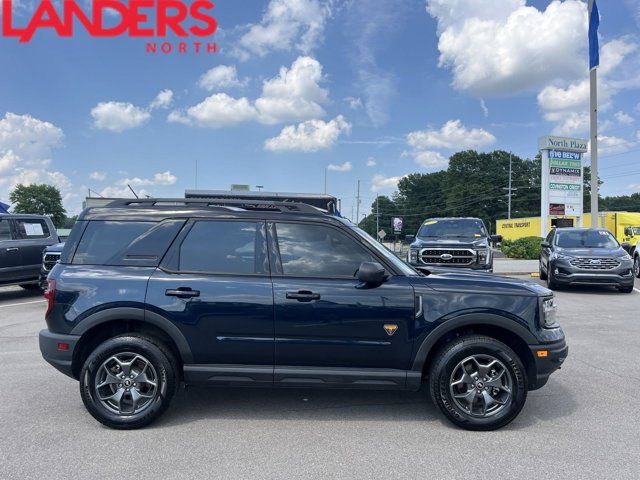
{"x": 583, "y": 424}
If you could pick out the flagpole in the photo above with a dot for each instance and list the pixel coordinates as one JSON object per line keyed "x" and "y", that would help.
{"x": 593, "y": 107}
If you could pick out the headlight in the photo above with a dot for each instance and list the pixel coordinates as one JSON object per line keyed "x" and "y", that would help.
{"x": 483, "y": 256}
{"x": 625, "y": 256}
{"x": 560, "y": 256}
{"x": 548, "y": 311}
{"x": 412, "y": 256}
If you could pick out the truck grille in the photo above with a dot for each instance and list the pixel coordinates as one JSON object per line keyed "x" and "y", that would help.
{"x": 595, "y": 263}
{"x": 49, "y": 261}
{"x": 431, "y": 256}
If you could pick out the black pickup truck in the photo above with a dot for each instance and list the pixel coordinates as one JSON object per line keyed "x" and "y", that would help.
{"x": 22, "y": 241}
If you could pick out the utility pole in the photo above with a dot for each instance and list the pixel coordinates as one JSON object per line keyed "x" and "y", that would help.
{"x": 509, "y": 189}
{"x": 325, "y": 180}
{"x": 196, "y": 174}
{"x": 358, "y": 205}
{"x": 377, "y": 218}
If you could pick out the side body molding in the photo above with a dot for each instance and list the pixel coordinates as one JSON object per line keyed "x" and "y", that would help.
{"x": 467, "y": 320}
{"x": 138, "y": 314}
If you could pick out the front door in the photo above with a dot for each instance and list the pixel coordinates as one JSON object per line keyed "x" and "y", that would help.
{"x": 325, "y": 317}
{"x": 214, "y": 285}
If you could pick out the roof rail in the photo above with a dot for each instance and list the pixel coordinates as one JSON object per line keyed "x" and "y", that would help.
{"x": 228, "y": 204}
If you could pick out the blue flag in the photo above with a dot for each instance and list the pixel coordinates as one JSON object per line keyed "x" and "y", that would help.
{"x": 594, "y": 49}
{"x": 4, "y": 208}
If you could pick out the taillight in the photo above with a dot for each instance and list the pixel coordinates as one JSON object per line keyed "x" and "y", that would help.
{"x": 50, "y": 295}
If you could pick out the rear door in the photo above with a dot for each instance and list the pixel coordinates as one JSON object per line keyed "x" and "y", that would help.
{"x": 325, "y": 317}
{"x": 9, "y": 252}
{"x": 214, "y": 284}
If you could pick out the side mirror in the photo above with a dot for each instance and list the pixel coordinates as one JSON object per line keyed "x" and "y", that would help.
{"x": 495, "y": 239}
{"x": 371, "y": 273}
{"x": 410, "y": 238}
{"x": 545, "y": 244}
{"x": 626, "y": 246}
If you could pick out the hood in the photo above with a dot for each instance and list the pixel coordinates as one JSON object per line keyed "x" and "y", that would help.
{"x": 453, "y": 242}
{"x": 455, "y": 280}
{"x": 57, "y": 248}
{"x": 592, "y": 252}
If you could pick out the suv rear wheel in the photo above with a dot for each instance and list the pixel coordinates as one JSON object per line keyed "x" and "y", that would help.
{"x": 478, "y": 383}
{"x": 128, "y": 381}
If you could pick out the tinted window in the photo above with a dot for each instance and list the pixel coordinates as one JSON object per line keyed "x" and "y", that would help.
{"x": 319, "y": 251}
{"x": 452, "y": 228}
{"x": 585, "y": 239}
{"x": 5, "y": 230}
{"x": 224, "y": 247}
{"x": 106, "y": 242}
{"x": 28, "y": 229}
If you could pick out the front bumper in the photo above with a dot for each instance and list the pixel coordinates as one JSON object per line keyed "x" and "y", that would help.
{"x": 547, "y": 359}
{"x": 566, "y": 274}
{"x": 60, "y": 358}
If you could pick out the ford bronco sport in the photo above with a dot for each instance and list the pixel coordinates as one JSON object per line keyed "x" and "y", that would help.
{"x": 152, "y": 293}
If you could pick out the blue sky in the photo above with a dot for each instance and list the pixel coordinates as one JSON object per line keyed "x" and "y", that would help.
{"x": 375, "y": 88}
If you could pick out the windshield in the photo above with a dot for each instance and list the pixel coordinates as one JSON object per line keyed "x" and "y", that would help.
{"x": 399, "y": 264}
{"x": 453, "y": 228}
{"x": 586, "y": 239}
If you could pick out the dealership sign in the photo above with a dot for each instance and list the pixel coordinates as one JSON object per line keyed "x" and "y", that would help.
{"x": 562, "y": 178}
{"x": 150, "y": 19}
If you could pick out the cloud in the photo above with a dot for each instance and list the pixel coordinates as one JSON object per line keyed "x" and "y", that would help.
{"x": 452, "y": 135}
{"x": 633, "y": 186}
{"x": 221, "y": 77}
{"x": 355, "y": 103}
{"x": 623, "y": 118}
{"x": 309, "y": 136}
{"x": 428, "y": 158}
{"x": 121, "y": 188}
{"x": 286, "y": 25}
{"x": 484, "y": 108}
{"x": 217, "y": 111}
{"x": 164, "y": 99}
{"x": 118, "y": 116}
{"x": 99, "y": 176}
{"x": 380, "y": 182}
{"x": 502, "y": 47}
{"x": 610, "y": 145}
{"x": 295, "y": 94}
{"x": 371, "y": 162}
{"x": 341, "y": 167}
{"x": 26, "y": 150}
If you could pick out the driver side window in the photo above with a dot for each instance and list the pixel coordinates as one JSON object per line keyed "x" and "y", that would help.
{"x": 318, "y": 251}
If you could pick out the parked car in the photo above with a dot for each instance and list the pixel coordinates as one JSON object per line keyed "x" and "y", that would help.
{"x": 451, "y": 242}
{"x": 635, "y": 253}
{"x": 22, "y": 240}
{"x": 585, "y": 256}
{"x": 150, "y": 293}
{"x": 50, "y": 256}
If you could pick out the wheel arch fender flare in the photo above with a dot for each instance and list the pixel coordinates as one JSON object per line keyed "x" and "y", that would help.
{"x": 139, "y": 315}
{"x": 468, "y": 320}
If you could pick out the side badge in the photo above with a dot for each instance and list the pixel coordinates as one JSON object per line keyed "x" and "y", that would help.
{"x": 390, "y": 328}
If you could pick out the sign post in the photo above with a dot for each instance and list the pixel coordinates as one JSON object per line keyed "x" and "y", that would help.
{"x": 562, "y": 179}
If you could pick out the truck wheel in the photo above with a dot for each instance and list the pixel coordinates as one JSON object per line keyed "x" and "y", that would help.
{"x": 636, "y": 266}
{"x": 543, "y": 276}
{"x": 128, "y": 381}
{"x": 478, "y": 383}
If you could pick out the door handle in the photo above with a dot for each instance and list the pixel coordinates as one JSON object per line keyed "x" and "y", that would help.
{"x": 303, "y": 296}
{"x": 182, "y": 292}
{"x": 12, "y": 249}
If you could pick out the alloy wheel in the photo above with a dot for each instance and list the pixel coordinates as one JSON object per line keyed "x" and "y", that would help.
{"x": 126, "y": 383}
{"x": 481, "y": 385}
{"x": 636, "y": 266}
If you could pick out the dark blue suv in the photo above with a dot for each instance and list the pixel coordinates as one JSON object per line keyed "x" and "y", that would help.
{"x": 152, "y": 293}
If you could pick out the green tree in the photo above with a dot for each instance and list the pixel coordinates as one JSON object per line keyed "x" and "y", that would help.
{"x": 387, "y": 209}
{"x": 39, "y": 199}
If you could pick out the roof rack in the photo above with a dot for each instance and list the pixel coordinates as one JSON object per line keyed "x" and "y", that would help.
{"x": 227, "y": 204}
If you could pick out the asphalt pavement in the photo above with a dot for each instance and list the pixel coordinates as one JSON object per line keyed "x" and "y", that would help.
{"x": 583, "y": 424}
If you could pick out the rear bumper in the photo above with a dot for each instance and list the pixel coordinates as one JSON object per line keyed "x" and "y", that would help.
{"x": 548, "y": 358}
{"x": 60, "y": 358}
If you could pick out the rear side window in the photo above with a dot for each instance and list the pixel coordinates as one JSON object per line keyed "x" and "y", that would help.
{"x": 225, "y": 247}
{"x": 32, "y": 229}
{"x": 122, "y": 243}
{"x": 5, "y": 230}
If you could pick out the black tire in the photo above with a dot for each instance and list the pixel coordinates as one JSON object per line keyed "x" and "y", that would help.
{"x": 30, "y": 286}
{"x": 636, "y": 266}
{"x": 551, "y": 283}
{"x": 628, "y": 289}
{"x": 164, "y": 368}
{"x": 543, "y": 276}
{"x": 447, "y": 361}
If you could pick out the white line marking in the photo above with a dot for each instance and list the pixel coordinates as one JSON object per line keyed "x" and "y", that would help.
{"x": 21, "y": 303}
{"x": 637, "y": 290}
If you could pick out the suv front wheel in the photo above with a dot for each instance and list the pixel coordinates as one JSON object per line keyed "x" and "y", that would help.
{"x": 128, "y": 381}
{"x": 478, "y": 382}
